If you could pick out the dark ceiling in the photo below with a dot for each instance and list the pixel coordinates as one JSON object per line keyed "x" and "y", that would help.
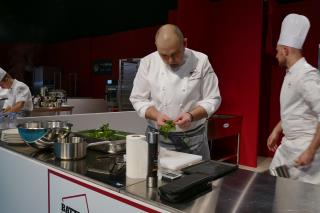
{"x": 61, "y": 20}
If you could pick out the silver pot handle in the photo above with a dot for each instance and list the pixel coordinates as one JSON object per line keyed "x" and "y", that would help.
{"x": 98, "y": 143}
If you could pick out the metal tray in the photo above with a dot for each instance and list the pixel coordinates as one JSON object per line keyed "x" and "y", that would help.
{"x": 119, "y": 137}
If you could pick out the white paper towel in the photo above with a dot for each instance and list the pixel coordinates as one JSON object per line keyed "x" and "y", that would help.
{"x": 136, "y": 156}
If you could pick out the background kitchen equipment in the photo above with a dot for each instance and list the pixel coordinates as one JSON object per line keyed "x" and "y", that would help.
{"x": 128, "y": 68}
{"x": 73, "y": 147}
{"x": 43, "y": 134}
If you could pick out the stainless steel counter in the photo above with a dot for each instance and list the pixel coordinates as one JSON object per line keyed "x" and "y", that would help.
{"x": 98, "y": 167}
{"x": 241, "y": 191}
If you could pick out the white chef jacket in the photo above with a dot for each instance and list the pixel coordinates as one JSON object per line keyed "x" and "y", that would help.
{"x": 172, "y": 92}
{"x": 19, "y": 91}
{"x": 300, "y": 101}
{"x": 300, "y": 114}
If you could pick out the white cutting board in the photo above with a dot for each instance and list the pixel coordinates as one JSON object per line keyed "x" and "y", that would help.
{"x": 176, "y": 160}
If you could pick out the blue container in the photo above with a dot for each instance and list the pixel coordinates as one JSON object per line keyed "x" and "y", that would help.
{"x": 30, "y": 132}
{"x": 31, "y": 135}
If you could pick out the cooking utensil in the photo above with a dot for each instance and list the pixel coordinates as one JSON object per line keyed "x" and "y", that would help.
{"x": 73, "y": 147}
{"x": 113, "y": 147}
{"x": 43, "y": 134}
{"x": 116, "y": 146}
{"x": 282, "y": 171}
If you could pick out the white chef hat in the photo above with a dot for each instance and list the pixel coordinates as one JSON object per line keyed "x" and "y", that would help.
{"x": 2, "y": 73}
{"x": 294, "y": 30}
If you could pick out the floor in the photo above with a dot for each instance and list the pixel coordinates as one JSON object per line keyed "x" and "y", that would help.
{"x": 263, "y": 165}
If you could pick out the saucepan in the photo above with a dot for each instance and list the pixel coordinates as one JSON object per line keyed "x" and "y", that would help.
{"x": 73, "y": 147}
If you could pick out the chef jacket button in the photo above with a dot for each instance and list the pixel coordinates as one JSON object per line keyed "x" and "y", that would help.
{"x": 183, "y": 90}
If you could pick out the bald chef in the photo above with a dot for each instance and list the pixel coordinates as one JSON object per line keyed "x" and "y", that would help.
{"x": 19, "y": 96}
{"x": 300, "y": 105}
{"x": 179, "y": 84}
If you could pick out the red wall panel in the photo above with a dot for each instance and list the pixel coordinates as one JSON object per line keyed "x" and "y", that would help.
{"x": 271, "y": 91}
{"x": 230, "y": 32}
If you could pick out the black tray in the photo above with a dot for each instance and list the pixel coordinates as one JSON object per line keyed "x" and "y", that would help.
{"x": 215, "y": 169}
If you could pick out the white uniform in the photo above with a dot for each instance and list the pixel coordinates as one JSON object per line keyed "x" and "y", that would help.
{"x": 19, "y": 91}
{"x": 300, "y": 114}
{"x": 172, "y": 92}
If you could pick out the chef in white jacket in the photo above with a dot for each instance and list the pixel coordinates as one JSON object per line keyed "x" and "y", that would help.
{"x": 19, "y": 96}
{"x": 179, "y": 84}
{"x": 300, "y": 105}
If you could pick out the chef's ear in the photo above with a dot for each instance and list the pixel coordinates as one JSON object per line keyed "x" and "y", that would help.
{"x": 285, "y": 51}
{"x": 185, "y": 42}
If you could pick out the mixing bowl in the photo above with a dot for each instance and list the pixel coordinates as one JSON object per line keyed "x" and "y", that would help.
{"x": 43, "y": 134}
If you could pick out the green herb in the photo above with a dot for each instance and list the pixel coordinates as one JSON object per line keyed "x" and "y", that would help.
{"x": 105, "y": 133}
{"x": 169, "y": 126}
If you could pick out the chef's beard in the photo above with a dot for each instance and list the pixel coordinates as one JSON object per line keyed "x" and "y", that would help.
{"x": 175, "y": 67}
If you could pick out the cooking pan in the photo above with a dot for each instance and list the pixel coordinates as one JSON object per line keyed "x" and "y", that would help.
{"x": 73, "y": 147}
{"x": 113, "y": 147}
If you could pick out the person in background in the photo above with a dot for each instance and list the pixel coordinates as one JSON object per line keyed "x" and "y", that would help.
{"x": 19, "y": 95}
{"x": 178, "y": 84}
{"x": 300, "y": 105}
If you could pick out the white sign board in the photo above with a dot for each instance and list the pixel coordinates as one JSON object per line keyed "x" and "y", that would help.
{"x": 69, "y": 194}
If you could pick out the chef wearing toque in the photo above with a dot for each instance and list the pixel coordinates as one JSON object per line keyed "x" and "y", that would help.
{"x": 19, "y": 96}
{"x": 176, "y": 83}
{"x": 300, "y": 105}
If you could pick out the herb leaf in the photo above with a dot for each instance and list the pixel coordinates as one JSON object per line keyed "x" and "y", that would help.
{"x": 169, "y": 126}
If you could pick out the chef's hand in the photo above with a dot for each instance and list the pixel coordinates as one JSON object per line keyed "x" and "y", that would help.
{"x": 305, "y": 158}
{"x": 272, "y": 141}
{"x": 183, "y": 120}
{"x": 162, "y": 118}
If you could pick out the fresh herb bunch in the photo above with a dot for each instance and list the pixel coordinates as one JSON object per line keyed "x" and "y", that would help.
{"x": 104, "y": 132}
{"x": 169, "y": 126}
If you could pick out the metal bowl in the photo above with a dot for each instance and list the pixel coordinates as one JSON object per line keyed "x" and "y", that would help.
{"x": 43, "y": 134}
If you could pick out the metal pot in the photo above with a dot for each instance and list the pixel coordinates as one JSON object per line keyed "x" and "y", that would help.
{"x": 73, "y": 147}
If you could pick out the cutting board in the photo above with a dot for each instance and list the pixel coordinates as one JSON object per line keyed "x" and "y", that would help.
{"x": 173, "y": 160}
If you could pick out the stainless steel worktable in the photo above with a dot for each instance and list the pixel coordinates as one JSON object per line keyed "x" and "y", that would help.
{"x": 241, "y": 191}
{"x": 244, "y": 191}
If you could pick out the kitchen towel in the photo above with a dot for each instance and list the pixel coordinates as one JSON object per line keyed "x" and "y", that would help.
{"x": 173, "y": 160}
{"x": 136, "y": 156}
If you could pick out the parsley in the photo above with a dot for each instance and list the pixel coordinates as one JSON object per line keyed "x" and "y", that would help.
{"x": 169, "y": 126}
